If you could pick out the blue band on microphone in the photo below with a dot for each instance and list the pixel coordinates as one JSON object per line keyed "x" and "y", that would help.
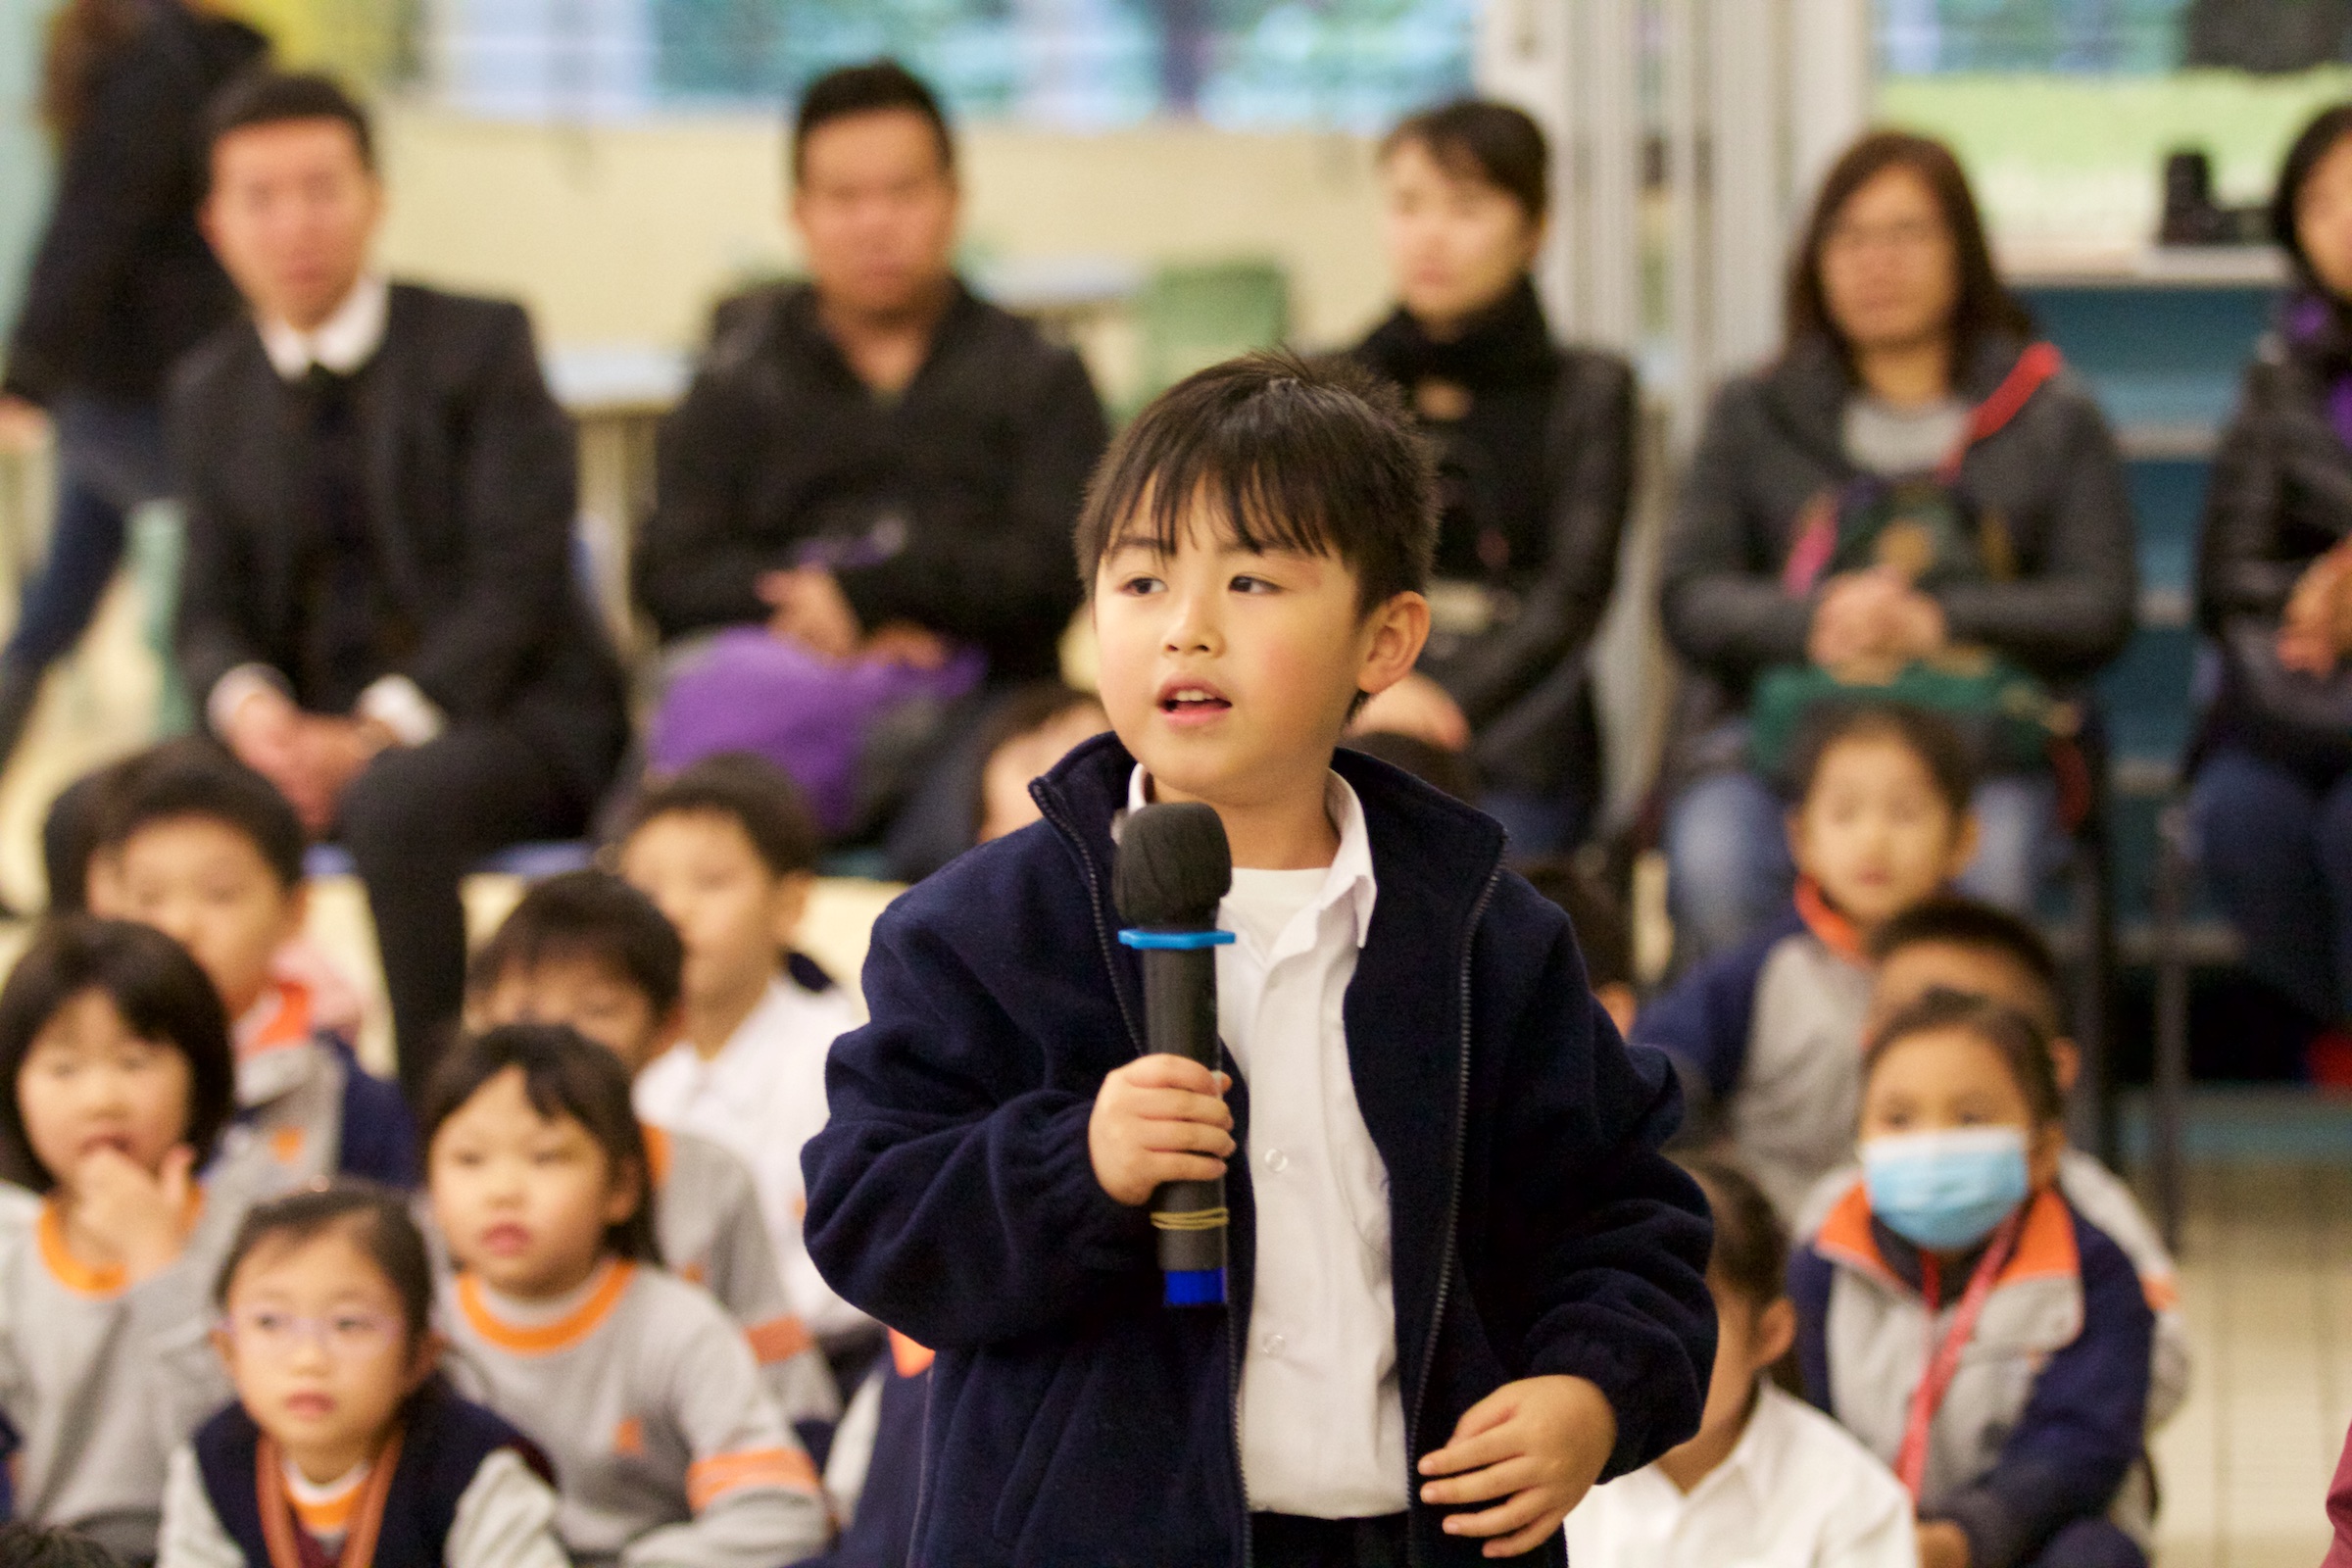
{"x": 1175, "y": 942}
{"x": 1194, "y": 1287}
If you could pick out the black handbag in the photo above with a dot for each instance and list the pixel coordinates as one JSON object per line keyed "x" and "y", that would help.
{"x": 2304, "y": 721}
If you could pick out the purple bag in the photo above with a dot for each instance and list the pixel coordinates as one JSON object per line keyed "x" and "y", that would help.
{"x": 747, "y": 691}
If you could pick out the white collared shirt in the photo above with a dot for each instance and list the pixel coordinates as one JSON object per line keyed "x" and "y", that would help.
{"x": 1322, "y": 1420}
{"x": 346, "y": 340}
{"x": 761, "y": 1098}
{"x": 1797, "y": 1491}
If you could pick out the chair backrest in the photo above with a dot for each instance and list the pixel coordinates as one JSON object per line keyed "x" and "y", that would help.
{"x": 1190, "y": 316}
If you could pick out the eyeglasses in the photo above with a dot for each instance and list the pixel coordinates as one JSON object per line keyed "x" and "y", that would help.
{"x": 341, "y": 1335}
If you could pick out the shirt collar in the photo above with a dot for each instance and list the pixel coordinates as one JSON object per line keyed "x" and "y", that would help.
{"x": 1351, "y": 875}
{"x": 342, "y": 343}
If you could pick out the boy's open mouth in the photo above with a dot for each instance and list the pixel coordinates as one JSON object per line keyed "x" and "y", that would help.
{"x": 1188, "y": 696}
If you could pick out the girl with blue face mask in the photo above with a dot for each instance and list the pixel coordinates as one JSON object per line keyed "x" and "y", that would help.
{"x": 1963, "y": 1320}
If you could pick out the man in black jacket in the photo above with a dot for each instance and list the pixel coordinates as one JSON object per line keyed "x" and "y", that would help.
{"x": 875, "y": 462}
{"x": 378, "y": 611}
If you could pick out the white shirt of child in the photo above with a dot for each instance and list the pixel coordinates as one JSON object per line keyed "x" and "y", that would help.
{"x": 1797, "y": 1492}
{"x": 1321, "y": 1417}
{"x": 762, "y": 1098}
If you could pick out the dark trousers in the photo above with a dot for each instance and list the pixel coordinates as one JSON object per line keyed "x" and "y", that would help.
{"x": 1287, "y": 1541}
{"x": 415, "y": 823}
{"x": 110, "y": 458}
{"x": 2276, "y": 845}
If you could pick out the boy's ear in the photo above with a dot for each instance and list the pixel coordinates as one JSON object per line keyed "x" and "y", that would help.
{"x": 298, "y": 909}
{"x": 1792, "y": 827}
{"x": 425, "y": 1360}
{"x": 632, "y": 1186}
{"x": 1776, "y": 1331}
{"x": 671, "y": 1027}
{"x": 1964, "y": 846}
{"x": 2065, "y": 1060}
{"x": 1398, "y": 627}
{"x": 222, "y": 1346}
{"x": 791, "y": 905}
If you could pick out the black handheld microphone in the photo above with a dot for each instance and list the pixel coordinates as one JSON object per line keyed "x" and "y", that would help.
{"x": 1174, "y": 869}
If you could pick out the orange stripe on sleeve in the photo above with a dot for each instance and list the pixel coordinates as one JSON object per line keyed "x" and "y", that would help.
{"x": 709, "y": 1479}
{"x": 779, "y": 1339}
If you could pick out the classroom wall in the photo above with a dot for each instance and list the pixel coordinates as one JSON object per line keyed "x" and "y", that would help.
{"x": 626, "y": 232}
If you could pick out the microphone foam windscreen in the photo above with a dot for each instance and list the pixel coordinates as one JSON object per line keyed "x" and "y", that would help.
{"x": 1174, "y": 865}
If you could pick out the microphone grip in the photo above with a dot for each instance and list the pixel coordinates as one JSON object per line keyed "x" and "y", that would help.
{"x": 1180, "y": 1012}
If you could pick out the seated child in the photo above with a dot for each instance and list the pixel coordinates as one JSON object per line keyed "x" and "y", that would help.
{"x": 1604, "y": 934}
{"x": 1031, "y": 730}
{"x": 1466, "y": 1284}
{"x": 1956, "y": 944}
{"x": 667, "y": 1446}
{"x": 1769, "y": 1479}
{"x": 728, "y": 851}
{"x": 1962, "y": 1318}
{"x": 586, "y": 949}
{"x": 1768, "y": 1035}
{"x": 116, "y": 1061}
{"x": 345, "y": 1444}
{"x": 206, "y": 852}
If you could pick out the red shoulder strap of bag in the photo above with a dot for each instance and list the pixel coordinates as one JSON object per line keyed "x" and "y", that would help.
{"x": 2040, "y": 362}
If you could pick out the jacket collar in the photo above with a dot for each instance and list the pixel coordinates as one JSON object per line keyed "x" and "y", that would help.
{"x": 1808, "y": 385}
{"x": 1850, "y": 1237}
{"x": 342, "y": 343}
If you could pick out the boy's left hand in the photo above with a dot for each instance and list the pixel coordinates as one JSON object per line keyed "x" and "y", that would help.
{"x": 1539, "y": 1444}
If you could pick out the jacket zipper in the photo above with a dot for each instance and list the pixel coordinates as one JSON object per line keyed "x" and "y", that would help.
{"x": 1453, "y": 1205}
{"x": 1051, "y": 807}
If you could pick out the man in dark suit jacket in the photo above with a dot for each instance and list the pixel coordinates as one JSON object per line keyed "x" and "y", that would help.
{"x": 877, "y": 463}
{"x": 378, "y": 611}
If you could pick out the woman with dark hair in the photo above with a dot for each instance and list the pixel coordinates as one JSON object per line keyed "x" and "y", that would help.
{"x": 121, "y": 286}
{"x": 1914, "y": 498}
{"x": 2273, "y": 794}
{"x": 1535, "y": 441}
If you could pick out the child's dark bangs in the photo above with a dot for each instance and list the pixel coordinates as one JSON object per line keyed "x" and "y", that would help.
{"x": 1261, "y": 507}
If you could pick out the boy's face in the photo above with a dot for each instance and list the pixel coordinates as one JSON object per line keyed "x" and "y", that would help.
{"x": 736, "y": 917}
{"x": 204, "y": 884}
{"x": 583, "y": 994}
{"x": 1875, "y": 832}
{"x": 523, "y": 1199}
{"x": 1229, "y": 673}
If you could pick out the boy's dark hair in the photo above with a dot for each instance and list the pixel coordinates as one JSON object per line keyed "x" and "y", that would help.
{"x": 1752, "y": 1245}
{"x": 877, "y": 87}
{"x": 593, "y": 917}
{"x": 1316, "y": 457}
{"x": 376, "y": 1218}
{"x": 2018, "y": 1038}
{"x": 2314, "y": 142}
{"x": 217, "y": 786}
{"x": 163, "y": 998}
{"x": 754, "y": 793}
{"x": 1979, "y": 927}
{"x": 1605, "y": 932}
{"x": 1927, "y": 736}
{"x": 23, "y": 1546}
{"x": 267, "y": 97}
{"x": 1493, "y": 143}
{"x": 563, "y": 1075}
{"x": 1447, "y": 772}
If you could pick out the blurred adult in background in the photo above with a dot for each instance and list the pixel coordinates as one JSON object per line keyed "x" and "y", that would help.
{"x": 879, "y": 469}
{"x": 121, "y": 286}
{"x": 1912, "y": 487}
{"x": 1535, "y": 447}
{"x": 2273, "y": 793}
{"x": 379, "y": 611}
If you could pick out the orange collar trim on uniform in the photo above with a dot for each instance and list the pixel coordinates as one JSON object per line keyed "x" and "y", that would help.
{"x": 288, "y": 1023}
{"x": 544, "y": 1339}
{"x": 85, "y": 1279}
{"x": 656, "y": 1154}
{"x": 2045, "y": 1244}
{"x": 1835, "y": 932}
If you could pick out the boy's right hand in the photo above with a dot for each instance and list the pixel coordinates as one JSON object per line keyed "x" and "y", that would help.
{"x": 1159, "y": 1119}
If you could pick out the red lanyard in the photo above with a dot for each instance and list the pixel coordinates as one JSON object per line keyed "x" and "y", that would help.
{"x": 1943, "y": 1357}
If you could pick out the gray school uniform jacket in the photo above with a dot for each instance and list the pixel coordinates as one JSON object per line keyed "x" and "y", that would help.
{"x": 669, "y": 1450}
{"x": 707, "y": 1220}
{"x": 100, "y": 1383}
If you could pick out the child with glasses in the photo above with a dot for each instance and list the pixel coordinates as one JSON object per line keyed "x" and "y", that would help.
{"x": 345, "y": 1444}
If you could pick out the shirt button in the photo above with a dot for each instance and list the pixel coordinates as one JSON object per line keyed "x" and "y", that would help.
{"x": 1277, "y": 1160}
{"x": 1273, "y": 1345}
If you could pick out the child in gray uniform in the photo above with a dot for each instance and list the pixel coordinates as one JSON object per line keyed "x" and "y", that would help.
{"x": 115, "y": 1051}
{"x": 668, "y": 1447}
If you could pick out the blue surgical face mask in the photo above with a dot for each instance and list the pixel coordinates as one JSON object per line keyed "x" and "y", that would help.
{"x": 1945, "y": 1191}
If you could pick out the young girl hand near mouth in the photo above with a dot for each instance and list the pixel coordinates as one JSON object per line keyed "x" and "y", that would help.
{"x": 345, "y": 1444}
{"x": 667, "y": 1445}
